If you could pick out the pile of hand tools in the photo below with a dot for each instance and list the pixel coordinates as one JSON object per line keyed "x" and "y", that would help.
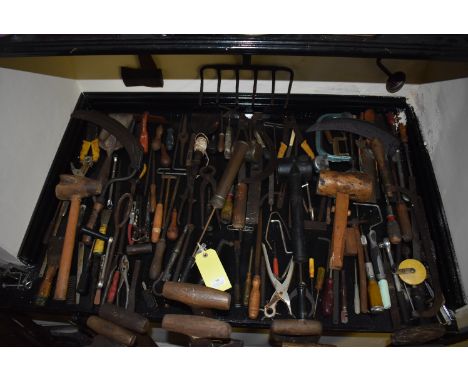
{"x": 188, "y": 211}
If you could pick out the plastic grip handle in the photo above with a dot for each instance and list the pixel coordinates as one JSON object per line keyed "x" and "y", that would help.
{"x": 375, "y": 299}
{"x": 385, "y": 294}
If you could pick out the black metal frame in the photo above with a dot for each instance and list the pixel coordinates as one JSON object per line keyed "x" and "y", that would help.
{"x": 177, "y": 102}
{"x": 440, "y": 47}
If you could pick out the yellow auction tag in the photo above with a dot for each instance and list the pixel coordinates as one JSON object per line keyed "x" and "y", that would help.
{"x": 212, "y": 270}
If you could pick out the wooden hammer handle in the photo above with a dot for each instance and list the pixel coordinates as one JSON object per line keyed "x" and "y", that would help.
{"x": 339, "y": 230}
{"x": 362, "y": 272}
{"x": 67, "y": 251}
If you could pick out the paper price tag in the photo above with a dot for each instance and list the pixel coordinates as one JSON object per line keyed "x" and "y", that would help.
{"x": 212, "y": 270}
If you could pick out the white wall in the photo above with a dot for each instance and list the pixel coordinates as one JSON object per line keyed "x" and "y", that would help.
{"x": 34, "y": 112}
{"x": 442, "y": 110}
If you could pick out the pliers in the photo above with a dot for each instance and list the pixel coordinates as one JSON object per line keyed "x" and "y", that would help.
{"x": 123, "y": 269}
{"x": 281, "y": 288}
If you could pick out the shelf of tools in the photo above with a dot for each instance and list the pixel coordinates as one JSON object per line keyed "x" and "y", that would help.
{"x": 307, "y": 212}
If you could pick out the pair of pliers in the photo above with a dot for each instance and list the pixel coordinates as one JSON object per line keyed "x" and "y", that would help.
{"x": 281, "y": 288}
{"x": 123, "y": 269}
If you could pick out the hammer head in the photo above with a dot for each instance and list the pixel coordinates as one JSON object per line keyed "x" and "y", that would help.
{"x": 72, "y": 186}
{"x": 357, "y": 185}
{"x": 302, "y": 164}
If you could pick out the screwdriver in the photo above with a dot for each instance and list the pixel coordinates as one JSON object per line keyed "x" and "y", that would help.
{"x": 375, "y": 299}
{"x": 319, "y": 285}
{"x": 376, "y": 258}
{"x": 393, "y": 228}
{"x": 311, "y": 276}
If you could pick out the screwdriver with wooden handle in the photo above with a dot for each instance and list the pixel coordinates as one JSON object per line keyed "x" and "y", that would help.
{"x": 254, "y": 298}
{"x": 318, "y": 286}
{"x": 248, "y": 280}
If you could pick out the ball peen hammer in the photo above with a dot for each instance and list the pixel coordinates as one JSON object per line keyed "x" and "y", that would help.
{"x": 73, "y": 188}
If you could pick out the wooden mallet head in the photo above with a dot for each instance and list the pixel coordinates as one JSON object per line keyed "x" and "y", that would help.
{"x": 343, "y": 186}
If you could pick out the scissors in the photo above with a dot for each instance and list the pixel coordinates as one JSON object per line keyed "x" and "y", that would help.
{"x": 281, "y": 288}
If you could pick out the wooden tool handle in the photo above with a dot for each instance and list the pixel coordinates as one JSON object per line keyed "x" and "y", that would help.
{"x": 139, "y": 249}
{"x": 240, "y": 204}
{"x": 339, "y": 230}
{"x": 156, "y": 144}
{"x": 173, "y": 230}
{"x": 124, "y": 318}
{"x": 157, "y": 223}
{"x": 197, "y": 296}
{"x": 327, "y": 301}
{"x": 247, "y": 289}
{"x": 153, "y": 201}
{"x": 156, "y": 263}
{"x": 165, "y": 158}
{"x": 112, "y": 331}
{"x": 221, "y": 142}
{"x": 46, "y": 285}
{"x": 386, "y": 177}
{"x": 290, "y": 327}
{"x": 92, "y": 220}
{"x": 404, "y": 220}
{"x": 144, "y": 132}
{"x": 196, "y": 326}
{"x": 113, "y": 288}
{"x": 254, "y": 298}
{"x": 351, "y": 245}
{"x": 403, "y": 132}
{"x": 67, "y": 251}
{"x": 362, "y": 273}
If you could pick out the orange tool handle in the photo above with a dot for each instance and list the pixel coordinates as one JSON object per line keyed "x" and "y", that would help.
{"x": 46, "y": 285}
{"x": 157, "y": 223}
{"x": 275, "y": 267}
{"x": 339, "y": 230}
{"x": 153, "y": 201}
{"x": 254, "y": 298}
{"x": 113, "y": 288}
{"x": 144, "y": 132}
{"x": 67, "y": 251}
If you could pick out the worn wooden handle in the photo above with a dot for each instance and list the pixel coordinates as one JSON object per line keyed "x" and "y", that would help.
{"x": 157, "y": 223}
{"x": 362, "y": 273}
{"x": 339, "y": 230}
{"x": 197, "y": 296}
{"x": 404, "y": 220}
{"x": 386, "y": 177}
{"x": 124, "y": 318}
{"x": 196, "y": 326}
{"x": 46, "y": 285}
{"x": 254, "y": 298}
{"x": 92, "y": 220}
{"x": 403, "y": 132}
{"x": 156, "y": 144}
{"x": 165, "y": 158}
{"x": 67, "y": 251}
{"x": 173, "y": 230}
{"x": 226, "y": 212}
{"x": 290, "y": 327}
{"x": 111, "y": 331}
{"x": 351, "y": 245}
{"x": 153, "y": 201}
{"x": 240, "y": 204}
{"x": 221, "y": 142}
{"x": 156, "y": 263}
